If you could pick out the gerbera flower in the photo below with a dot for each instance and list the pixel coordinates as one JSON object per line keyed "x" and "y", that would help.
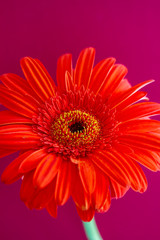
{"x": 83, "y": 137}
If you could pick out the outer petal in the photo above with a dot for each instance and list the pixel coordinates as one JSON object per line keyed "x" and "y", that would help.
{"x": 136, "y": 97}
{"x": 113, "y": 79}
{"x": 100, "y": 73}
{"x": 17, "y": 103}
{"x": 147, "y": 158}
{"x": 68, "y": 82}
{"x": 147, "y": 141}
{"x": 11, "y": 173}
{"x": 101, "y": 190}
{"x": 64, "y": 65}
{"x": 127, "y": 94}
{"x": 106, "y": 204}
{"x": 27, "y": 188}
{"x": 34, "y": 197}
{"x": 81, "y": 198}
{"x": 137, "y": 178}
{"x": 9, "y": 117}
{"x": 117, "y": 191}
{"x": 31, "y": 161}
{"x": 86, "y": 215}
{"x": 52, "y": 208}
{"x": 38, "y": 78}
{"x": 139, "y": 126}
{"x": 46, "y": 170}
{"x": 139, "y": 110}
{"x": 64, "y": 182}
{"x": 84, "y": 66}
{"x": 6, "y": 152}
{"x": 41, "y": 198}
{"x": 15, "y": 129}
{"x": 88, "y": 175}
{"x": 21, "y": 137}
{"x": 122, "y": 87}
{"x": 108, "y": 163}
{"x": 17, "y": 84}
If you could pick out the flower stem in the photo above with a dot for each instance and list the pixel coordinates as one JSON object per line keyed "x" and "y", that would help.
{"x": 91, "y": 230}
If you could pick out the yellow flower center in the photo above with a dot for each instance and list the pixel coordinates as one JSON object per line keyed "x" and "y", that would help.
{"x": 75, "y": 128}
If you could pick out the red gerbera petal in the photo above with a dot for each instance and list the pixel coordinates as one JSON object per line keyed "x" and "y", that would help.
{"x": 37, "y": 78}
{"x": 108, "y": 163}
{"x": 52, "y": 208}
{"x": 100, "y": 73}
{"x": 88, "y": 175}
{"x": 81, "y": 198}
{"x": 117, "y": 191}
{"x": 11, "y": 173}
{"x": 139, "y": 110}
{"x": 101, "y": 191}
{"x": 64, "y": 182}
{"x": 17, "y": 84}
{"x": 9, "y": 118}
{"x": 84, "y": 66}
{"x": 64, "y": 65}
{"x": 31, "y": 161}
{"x": 86, "y": 215}
{"x": 46, "y": 170}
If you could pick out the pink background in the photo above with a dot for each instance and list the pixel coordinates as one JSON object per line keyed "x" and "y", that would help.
{"x": 127, "y": 30}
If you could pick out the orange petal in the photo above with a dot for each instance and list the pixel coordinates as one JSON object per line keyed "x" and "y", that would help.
{"x": 64, "y": 65}
{"x": 27, "y": 188}
{"x": 17, "y": 103}
{"x": 136, "y": 97}
{"x": 84, "y": 66}
{"x": 68, "y": 82}
{"x": 17, "y": 84}
{"x": 21, "y": 140}
{"x": 127, "y": 94}
{"x": 117, "y": 191}
{"x": 86, "y": 215}
{"x": 81, "y": 198}
{"x": 88, "y": 175}
{"x": 145, "y": 141}
{"x": 52, "y": 208}
{"x": 122, "y": 87}
{"x": 18, "y": 128}
{"x": 105, "y": 207}
{"x": 41, "y": 197}
{"x": 101, "y": 190}
{"x": 139, "y": 126}
{"x": 64, "y": 182}
{"x": 139, "y": 110}
{"x": 100, "y": 73}
{"x": 137, "y": 178}
{"x": 37, "y": 78}
{"x": 11, "y": 173}
{"x": 31, "y": 161}
{"x": 113, "y": 168}
{"x": 9, "y": 117}
{"x": 46, "y": 170}
{"x": 18, "y": 136}
{"x": 115, "y": 76}
{"x": 6, "y": 152}
{"x": 147, "y": 158}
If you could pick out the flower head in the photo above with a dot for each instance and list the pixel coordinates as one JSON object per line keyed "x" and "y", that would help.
{"x": 83, "y": 138}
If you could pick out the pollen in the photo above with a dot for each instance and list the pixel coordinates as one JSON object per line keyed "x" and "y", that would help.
{"x": 75, "y": 128}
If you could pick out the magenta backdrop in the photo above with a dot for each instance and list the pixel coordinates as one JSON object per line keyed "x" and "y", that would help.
{"x": 127, "y": 30}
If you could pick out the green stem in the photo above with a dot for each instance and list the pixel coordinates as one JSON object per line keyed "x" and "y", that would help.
{"x": 91, "y": 230}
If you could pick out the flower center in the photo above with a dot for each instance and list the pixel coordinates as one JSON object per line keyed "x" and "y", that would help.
{"x": 75, "y": 128}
